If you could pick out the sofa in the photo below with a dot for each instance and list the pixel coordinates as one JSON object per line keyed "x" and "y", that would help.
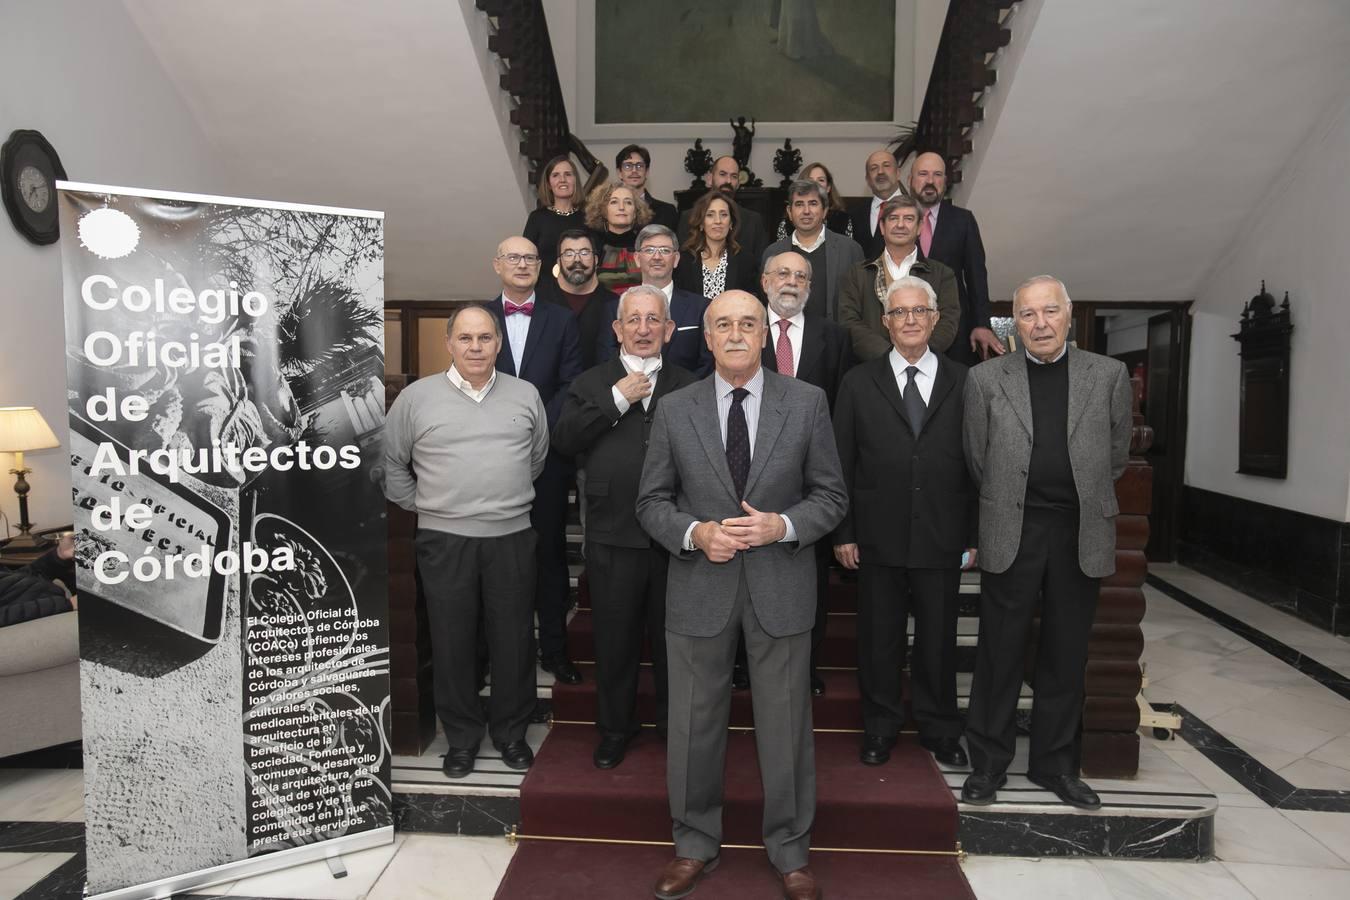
{"x": 39, "y": 683}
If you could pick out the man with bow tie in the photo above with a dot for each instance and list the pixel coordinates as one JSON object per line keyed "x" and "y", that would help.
{"x": 605, "y": 424}
{"x": 541, "y": 344}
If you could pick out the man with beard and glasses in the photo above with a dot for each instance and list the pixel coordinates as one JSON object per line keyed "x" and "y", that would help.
{"x": 725, "y": 178}
{"x": 817, "y": 351}
{"x": 633, "y": 164}
{"x": 657, "y": 257}
{"x": 829, "y": 255}
{"x": 576, "y": 287}
{"x": 882, "y": 173}
{"x": 948, "y": 234}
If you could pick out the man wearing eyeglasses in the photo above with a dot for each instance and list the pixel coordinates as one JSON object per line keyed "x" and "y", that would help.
{"x": 898, "y": 426}
{"x": 829, "y": 254}
{"x": 633, "y": 164}
{"x": 657, "y": 257}
{"x": 862, "y": 295}
{"x": 577, "y": 288}
{"x": 540, "y": 344}
{"x": 605, "y": 424}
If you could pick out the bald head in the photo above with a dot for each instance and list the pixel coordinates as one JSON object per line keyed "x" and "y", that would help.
{"x": 725, "y": 175}
{"x": 928, "y": 179}
{"x": 735, "y": 326}
{"x": 517, "y": 265}
{"x": 882, "y": 173}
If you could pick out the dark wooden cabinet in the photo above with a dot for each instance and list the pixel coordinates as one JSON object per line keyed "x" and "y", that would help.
{"x": 1263, "y": 404}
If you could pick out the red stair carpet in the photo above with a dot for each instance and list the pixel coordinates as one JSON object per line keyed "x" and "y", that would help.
{"x": 575, "y": 819}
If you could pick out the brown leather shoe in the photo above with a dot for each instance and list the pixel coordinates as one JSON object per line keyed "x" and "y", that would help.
{"x": 680, "y": 877}
{"x": 800, "y": 885}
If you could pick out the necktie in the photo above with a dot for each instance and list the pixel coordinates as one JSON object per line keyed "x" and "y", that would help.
{"x": 526, "y": 308}
{"x": 738, "y": 442}
{"x": 926, "y": 232}
{"x": 783, "y": 349}
{"x": 915, "y": 408}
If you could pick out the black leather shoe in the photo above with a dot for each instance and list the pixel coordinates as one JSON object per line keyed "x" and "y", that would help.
{"x": 876, "y": 750}
{"x": 562, "y": 670}
{"x": 610, "y": 752}
{"x": 740, "y": 679}
{"x": 947, "y": 750}
{"x": 817, "y": 686}
{"x": 981, "y": 788}
{"x": 1069, "y": 789}
{"x": 516, "y": 754}
{"x": 458, "y": 763}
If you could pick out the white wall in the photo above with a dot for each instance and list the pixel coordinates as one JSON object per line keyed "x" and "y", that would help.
{"x": 81, "y": 74}
{"x": 1298, "y": 244}
{"x": 843, "y": 156}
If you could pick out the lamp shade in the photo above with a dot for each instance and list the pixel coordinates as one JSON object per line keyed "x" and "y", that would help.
{"x": 23, "y": 428}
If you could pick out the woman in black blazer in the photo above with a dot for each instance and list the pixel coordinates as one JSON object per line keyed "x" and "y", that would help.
{"x": 711, "y": 260}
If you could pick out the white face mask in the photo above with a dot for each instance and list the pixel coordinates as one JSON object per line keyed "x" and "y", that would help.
{"x": 648, "y": 367}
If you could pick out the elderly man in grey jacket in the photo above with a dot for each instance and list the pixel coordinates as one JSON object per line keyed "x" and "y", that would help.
{"x": 1047, "y": 433}
{"x": 741, "y": 479}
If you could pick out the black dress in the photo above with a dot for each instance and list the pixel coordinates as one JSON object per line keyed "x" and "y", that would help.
{"x": 543, "y": 226}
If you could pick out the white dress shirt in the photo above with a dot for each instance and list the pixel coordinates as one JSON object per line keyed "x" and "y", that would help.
{"x": 900, "y": 269}
{"x": 796, "y": 329}
{"x": 928, "y": 366}
{"x": 650, "y": 367}
{"x": 517, "y": 331}
{"x": 475, "y": 395}
{"x": 820, "y": 241}
{"x": 1058, "y": 356}
{"x": 876, "y": 205}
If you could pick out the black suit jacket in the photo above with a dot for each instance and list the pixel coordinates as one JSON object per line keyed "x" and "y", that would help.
{"x": 860, "y": 212}
{"x": 552, "y": 352}
{"x": 827, "y": 354}
{"x": 593, "y": 320}
{"x": 687, "y": 348}
{"x": 911, "y": 500}
{"x": 611, "y": 448}
{"x": 742, "y": 273}
{"x": 957, "y": 244}
{"x": 663, "y": 213}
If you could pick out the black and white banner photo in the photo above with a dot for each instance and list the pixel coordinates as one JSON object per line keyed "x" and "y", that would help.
{"x": 225, "y": 363}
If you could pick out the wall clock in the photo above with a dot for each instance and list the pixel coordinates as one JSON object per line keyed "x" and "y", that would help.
{"x": 29, "y": 170}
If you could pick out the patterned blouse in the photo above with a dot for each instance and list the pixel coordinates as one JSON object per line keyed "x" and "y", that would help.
{"x": 715, "y": 280}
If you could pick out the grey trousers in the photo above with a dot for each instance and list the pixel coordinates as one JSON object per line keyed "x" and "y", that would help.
{"x": 700, "y": 708}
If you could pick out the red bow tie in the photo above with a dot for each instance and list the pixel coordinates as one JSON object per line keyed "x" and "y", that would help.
{"x": 527, "y": 308}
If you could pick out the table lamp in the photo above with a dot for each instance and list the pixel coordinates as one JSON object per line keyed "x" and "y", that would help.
{"x": 23, "y": 428}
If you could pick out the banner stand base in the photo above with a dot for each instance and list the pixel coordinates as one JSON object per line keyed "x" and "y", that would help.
{"x": 330, "y": 850}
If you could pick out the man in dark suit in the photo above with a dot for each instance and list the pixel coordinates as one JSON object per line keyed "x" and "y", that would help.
{"x": 818, "y": 352}
{"x": 898, "y": 425}
{"x": 577, "y": 289}
{"x": 725, "y": 176}
{"x": 1047, "y": 434}
{"x": 741, "y": 479}
{"x": 882, "y": 174}
{"x": 605, "y": 425}
{"x": 949, "y": 234}
{"x": 633, "y": 164}
{"x": 657, "y": 257}
{"x": 830, "y": 255}
{"x": 540, "y": 345}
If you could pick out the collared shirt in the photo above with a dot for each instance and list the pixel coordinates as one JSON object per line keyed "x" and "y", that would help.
{"x": 931, "y": 214}
{"x": 517, "y": 331}
{"x": 928, "y": 366}
{"x": 475, "y": 395}
{"x": 795, "y": 331}
{"x": 1042, "y": 362}
{"x": 820, "y": 241}
{"x": 876, "y": 207}
{"x": 651, "y": 366}
{"x": 901, "y": 269}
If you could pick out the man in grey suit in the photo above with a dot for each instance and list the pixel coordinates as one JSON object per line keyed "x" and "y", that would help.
{"x": 831, "y": 255}
{"x": 1047, "y": 433}
{"x": 741, "y": 480}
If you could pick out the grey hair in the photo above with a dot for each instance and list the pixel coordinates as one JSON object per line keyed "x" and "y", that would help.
{"x": 916, "y": 283}
{"x": 655, "y": 231}
{"x": 808, "y": 186}
{"x": 455, "y": 313}
{"x": 1042, "y": 279}
{"x": 652, "y": 289}
{"x": 802, "y": 256}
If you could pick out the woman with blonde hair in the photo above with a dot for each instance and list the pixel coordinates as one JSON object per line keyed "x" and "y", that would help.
{"x": 615, "y": 214}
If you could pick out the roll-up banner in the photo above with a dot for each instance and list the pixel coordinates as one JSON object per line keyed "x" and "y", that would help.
{"x": 225, "y": 363}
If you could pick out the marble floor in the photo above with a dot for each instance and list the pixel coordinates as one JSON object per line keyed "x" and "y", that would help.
{"x": 1284, "y": 719}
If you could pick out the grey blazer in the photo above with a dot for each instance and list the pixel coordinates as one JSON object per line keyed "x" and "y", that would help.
{"x": 841, "y": 255}
{"x": 998, "y": 452}
{"x": 794, "y": 471}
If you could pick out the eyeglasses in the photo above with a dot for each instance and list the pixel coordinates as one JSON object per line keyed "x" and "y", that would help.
{"x": 662, "y": 252}
{"x": 633, "y": 166}
{"x": 515, "y": 259}
{"x": 576, "y": 254}
{"x": 786, "y": 274}
{"x": 652, "y": 321}
{"x": 917, "y": 313}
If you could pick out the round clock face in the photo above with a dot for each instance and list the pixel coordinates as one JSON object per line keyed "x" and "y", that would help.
{"x": 33, "y": 188}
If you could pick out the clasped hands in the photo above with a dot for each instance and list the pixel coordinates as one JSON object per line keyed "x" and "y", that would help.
{"x": 721, "y": 541}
